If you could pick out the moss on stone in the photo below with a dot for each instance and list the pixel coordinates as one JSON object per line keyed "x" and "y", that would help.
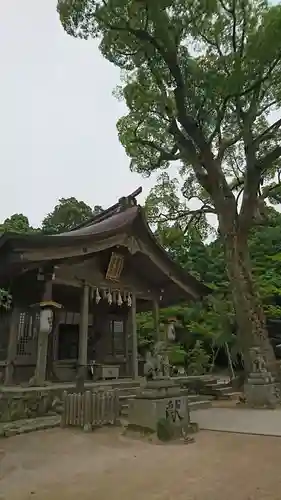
{"x": 165, "y": 431}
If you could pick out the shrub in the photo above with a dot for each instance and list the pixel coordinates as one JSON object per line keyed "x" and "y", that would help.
{"x": 164, "y": 430}
{"x": 197, "y": 360}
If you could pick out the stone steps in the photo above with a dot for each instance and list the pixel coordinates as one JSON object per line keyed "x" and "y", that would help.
{"x": 200, "y": 405}
{"x": 222, "y": 391}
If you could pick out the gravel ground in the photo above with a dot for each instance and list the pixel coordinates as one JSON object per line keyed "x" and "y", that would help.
{"x": 56, "y": 464}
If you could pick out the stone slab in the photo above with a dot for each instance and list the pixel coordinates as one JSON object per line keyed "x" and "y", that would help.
{"x": 259, "y": 395}
{"x": 28, "y": 425}
{"x": 64, "y": 386}
{"x": 241, "y": 421}
{"x": 146, "y": 412}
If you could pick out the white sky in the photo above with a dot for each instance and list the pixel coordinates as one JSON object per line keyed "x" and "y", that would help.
{"x": 58, "y": 117}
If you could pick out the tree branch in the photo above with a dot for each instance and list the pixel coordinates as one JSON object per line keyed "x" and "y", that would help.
{"x": 164, "y": 154}
{"x": 266, "y": 107}
{"x": 244, "y": 27}
{"x": 197, "y": 214}
{"x": 266, "y": 161}
{"x": 269, "y": 190}
{"x": 220, "y": 117}
{"x": 267, "y": 133}
{"x": 233, "y": 13}
{"x": 229, "y": 11}
{"x": 205, "y": 209}
{"x": 227, "y": 143}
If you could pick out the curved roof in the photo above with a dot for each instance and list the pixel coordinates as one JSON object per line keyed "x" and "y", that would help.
{"x": 129, "y": 220}
{"x": 117, "y": 223}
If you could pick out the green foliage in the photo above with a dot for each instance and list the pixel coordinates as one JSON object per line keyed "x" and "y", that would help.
{"x": 5, "y": 299}
{"x": 197, "y": 75}
{"x": 212, "y": 321}
{"x": 68, "y": 214}
{"x": 176, "y": 355}
{"x": 17, "y": 223}
{"x": 199, "y": 80}
{"x": 197, "y": 360}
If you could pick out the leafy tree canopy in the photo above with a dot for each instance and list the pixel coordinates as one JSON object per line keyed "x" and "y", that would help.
{"x": 213, "y": 320}
{"x": 200, "y": 79}
{"x": 68, "y": 214}
{"x": 17, "y": 223}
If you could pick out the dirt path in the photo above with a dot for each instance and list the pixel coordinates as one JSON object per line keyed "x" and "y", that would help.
{"x": 58, "y": 464}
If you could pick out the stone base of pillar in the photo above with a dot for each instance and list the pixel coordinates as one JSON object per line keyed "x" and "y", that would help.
{"x": 261, "y": 391}
{"x": 161, "y": 401}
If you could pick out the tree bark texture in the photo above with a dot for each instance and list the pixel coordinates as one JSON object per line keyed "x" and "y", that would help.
{"x": 250, "y": 316}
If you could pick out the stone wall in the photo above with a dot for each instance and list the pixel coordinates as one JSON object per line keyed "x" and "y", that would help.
{"x": 23, "y": 404}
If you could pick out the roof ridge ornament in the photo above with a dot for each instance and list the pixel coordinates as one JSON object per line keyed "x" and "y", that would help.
{"x": 112, "y": 210}
{"x": 126, "y": 202}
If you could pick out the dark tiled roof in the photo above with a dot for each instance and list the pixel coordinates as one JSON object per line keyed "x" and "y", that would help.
{"x": 124, "y": 217}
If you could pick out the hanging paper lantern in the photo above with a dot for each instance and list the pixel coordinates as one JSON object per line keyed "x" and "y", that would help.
{"x": 98, "y": 297}
{"x": 119, "y": 300}
{"x": 109, "y": 298}
{"x": 129, "y": 300}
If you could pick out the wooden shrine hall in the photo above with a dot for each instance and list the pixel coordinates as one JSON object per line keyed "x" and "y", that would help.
{"x": 94, "y": 279}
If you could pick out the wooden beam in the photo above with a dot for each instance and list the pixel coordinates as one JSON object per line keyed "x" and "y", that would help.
{"x": 134, "y": 333}
{"x": 156, "y": 320}
{"x": 165, "y": 269}
{"x": 77, "y": 248}
{"x": 83, "y": 332}
{"x": 43, "y": 338}
{"x": 89, "y": 273}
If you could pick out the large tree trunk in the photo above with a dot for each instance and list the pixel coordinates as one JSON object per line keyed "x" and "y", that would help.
{"x": 250, "y": 316}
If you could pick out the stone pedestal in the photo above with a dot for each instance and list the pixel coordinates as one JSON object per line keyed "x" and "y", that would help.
{"x": 261, "y": 391}
{"x": 161, "y": 400}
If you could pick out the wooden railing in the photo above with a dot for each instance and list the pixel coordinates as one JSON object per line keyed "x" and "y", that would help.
{"x": 90, "y": 409}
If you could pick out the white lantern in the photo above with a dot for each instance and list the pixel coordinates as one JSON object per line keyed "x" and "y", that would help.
{"x": 98, "y": 297}
{"x": 46, "y": 320}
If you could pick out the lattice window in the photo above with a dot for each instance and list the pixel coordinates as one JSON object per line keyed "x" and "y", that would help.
{"x": 117, "y": 336}
{"x": 27, "y": 331}
{"x": 71, "y": 318}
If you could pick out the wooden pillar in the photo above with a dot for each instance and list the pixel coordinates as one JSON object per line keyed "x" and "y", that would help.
{"x": 83, "y": 332}
{"x": 135, "y": 363}
{"x": 43, "y": 338}
{"x": 126, "y": 347}
{"x": 156, "y": 320}
{"x": 12, "y": 346}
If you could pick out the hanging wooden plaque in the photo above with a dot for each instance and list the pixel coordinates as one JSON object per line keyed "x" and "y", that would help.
{"x": 115, "y": 267}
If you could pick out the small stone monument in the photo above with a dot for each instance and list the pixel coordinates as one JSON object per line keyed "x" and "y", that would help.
{"x": 261, "y": 390}
{"x": 160, "y": 400}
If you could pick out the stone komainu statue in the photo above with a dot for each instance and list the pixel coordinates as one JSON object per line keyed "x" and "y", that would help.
{"x": 157, "y": 363}
{"x": 258, "y": 361}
